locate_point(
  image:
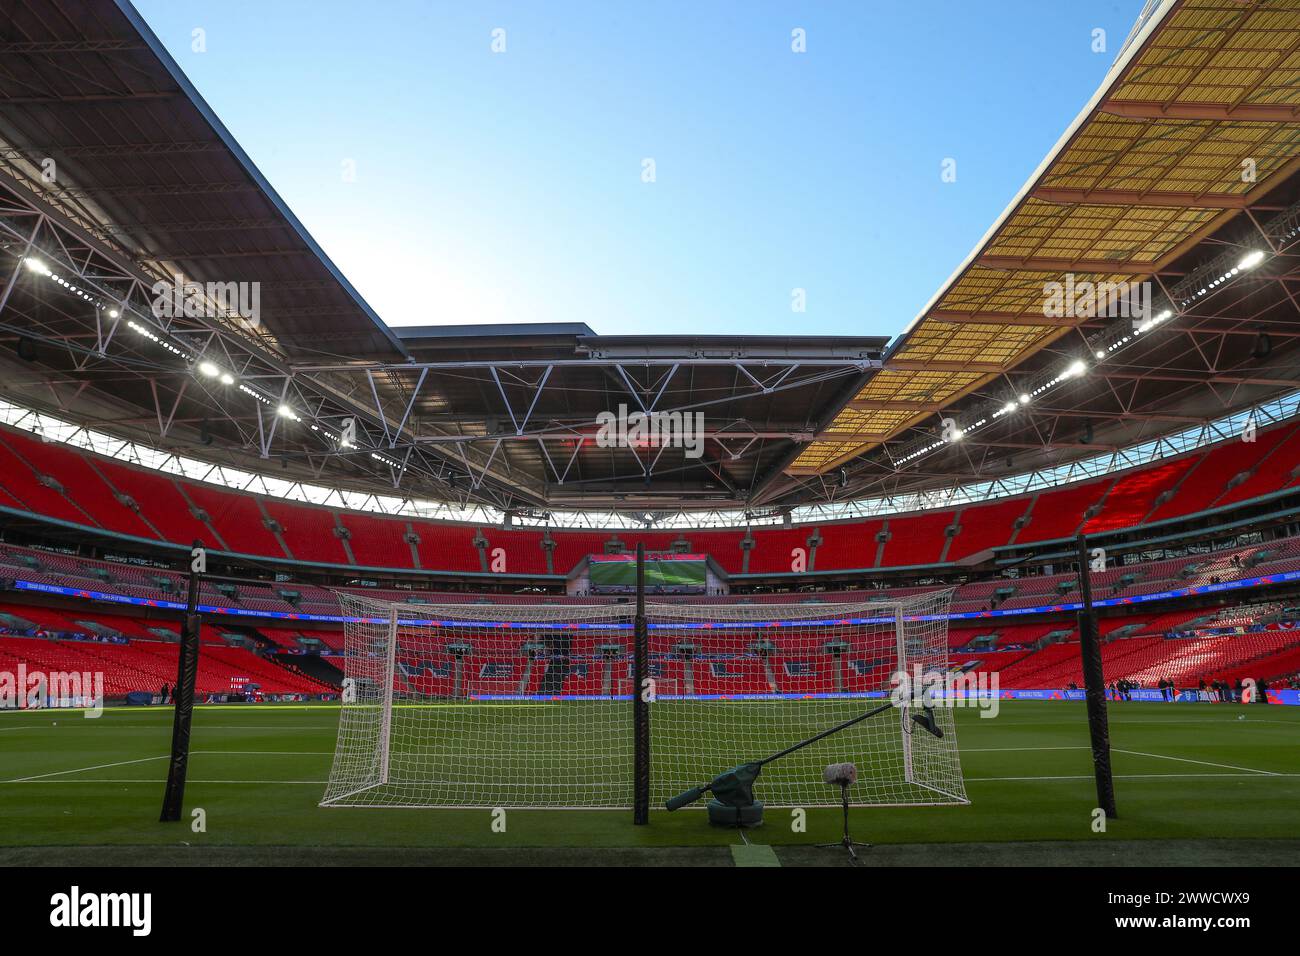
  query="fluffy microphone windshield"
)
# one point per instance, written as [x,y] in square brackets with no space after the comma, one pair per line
[840,774]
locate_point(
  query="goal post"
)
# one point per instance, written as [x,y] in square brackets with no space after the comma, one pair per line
[534,705]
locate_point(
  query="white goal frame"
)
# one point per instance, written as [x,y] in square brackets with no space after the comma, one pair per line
[417,729]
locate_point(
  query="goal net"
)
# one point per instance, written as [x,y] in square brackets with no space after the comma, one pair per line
[762,677]
[470,705]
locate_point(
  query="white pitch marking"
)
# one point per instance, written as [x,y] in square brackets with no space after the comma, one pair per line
[154,783]
[1204,763]
[1131,776]
[102,766]
[193,753]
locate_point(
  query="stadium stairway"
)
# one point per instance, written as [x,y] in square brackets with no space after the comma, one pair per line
[312,666]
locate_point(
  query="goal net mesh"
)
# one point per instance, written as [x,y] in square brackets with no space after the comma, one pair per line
[529,705]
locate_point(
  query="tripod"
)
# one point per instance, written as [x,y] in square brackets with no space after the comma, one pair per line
[847,841]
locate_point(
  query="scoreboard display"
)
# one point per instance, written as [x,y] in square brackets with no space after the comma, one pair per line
[665,573]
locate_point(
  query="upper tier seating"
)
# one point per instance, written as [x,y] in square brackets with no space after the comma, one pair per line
[308,532]
[1061,512]
[378,542]
[1133,496]
[237,518]
[981,527]
[180,511]
[916,539]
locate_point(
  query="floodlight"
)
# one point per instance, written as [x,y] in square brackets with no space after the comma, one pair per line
[1251,259]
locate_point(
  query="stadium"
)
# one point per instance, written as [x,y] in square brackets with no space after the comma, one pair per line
[338,592]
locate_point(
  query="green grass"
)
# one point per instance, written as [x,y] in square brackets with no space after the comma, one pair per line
[1189,775]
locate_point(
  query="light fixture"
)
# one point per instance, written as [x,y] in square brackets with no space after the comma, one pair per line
[1251,259]
[227,378]
[1024,398]
[1075,369]
[208,369]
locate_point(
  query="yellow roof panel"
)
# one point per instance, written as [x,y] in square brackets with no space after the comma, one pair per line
[1158,164]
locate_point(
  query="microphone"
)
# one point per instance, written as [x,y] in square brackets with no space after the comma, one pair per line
[840,774]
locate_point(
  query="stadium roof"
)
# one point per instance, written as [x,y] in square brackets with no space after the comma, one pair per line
[1147,184]
[1151,169]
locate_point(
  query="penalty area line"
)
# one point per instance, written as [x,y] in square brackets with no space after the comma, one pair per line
[193,753]
[102,766]
[159,783]
[1137,776]
[1203,763]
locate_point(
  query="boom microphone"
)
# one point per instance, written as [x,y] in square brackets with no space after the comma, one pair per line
[926,719]
[841,774]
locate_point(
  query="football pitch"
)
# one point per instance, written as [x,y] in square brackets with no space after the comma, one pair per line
[1195,784]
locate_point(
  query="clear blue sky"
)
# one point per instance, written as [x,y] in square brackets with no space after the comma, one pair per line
[508,187]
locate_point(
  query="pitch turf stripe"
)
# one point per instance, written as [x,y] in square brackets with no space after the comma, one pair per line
[320,783]
[1204,763]
[265,753]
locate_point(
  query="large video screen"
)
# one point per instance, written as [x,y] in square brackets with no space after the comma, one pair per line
[664,574]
